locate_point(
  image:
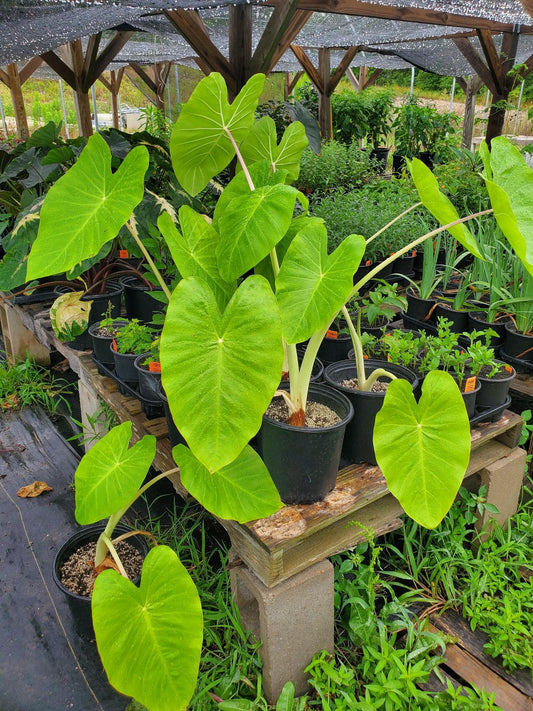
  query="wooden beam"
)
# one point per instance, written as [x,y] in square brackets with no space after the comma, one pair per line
[203,65]
[290,84]
[81,98]
[4,77]
[475,61]
[462,83]
[28,69]
[147,79]
[325,119]
[277,36]
[371,79]
[493,60]
[15,87]
[60,67]
[240,44]
[528,6]
[189,24]
[308,67]
[526,69]
[471,87]
[508,51]
[161,71]
[405,14]
[341,69]
[106,83]
[106,56]
[354,81]
[91,53]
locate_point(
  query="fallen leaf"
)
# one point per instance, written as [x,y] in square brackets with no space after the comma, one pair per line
[11,402]
[35,489]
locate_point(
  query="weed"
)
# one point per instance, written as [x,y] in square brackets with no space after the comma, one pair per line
[26,384]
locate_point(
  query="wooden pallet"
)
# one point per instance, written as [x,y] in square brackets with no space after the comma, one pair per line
[467,664]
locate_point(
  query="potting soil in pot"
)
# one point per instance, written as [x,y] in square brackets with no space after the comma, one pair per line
[316,414]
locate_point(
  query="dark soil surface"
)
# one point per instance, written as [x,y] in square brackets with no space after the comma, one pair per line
[378,387]
[316,414]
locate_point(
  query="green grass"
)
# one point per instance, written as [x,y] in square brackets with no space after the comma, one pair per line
[27,384]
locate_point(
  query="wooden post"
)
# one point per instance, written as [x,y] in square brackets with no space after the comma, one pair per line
[325,119]
[240,44]
[81,98]
[15,87]
[471,87]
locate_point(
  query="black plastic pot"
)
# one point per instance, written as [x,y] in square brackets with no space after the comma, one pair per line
[80,605]
[404,266]
[470,399]
[334,349]
[518,345]
[379,156]
[418,308]
[303,462]
[398,164]
[174,434]
[358,440]
[459,319]
[101,344]
[139,304]
[427,157]
[125,365]
[494,391]
[362,271]
[149,381]
[477,322]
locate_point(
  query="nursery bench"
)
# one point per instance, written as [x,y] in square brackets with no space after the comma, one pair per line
[280,574]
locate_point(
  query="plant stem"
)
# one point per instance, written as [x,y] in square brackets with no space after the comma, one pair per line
[389,224]
[132,230]
[240,159]
[109,544]
[358,350]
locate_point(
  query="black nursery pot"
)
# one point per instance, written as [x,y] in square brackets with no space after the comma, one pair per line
[418,308]
[358,440]
[125,366]
[476,322]
[494,391]
[379,156]
[459,319]
[149,381]
[303,462]
[334,349]
[101,344]
[470,399]
[80,605]
[139,304]
[518,345]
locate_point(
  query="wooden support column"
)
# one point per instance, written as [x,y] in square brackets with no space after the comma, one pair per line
[470,86]
[155,79]
[240,44]
[14,79]
[324,82]
[81,71]
[290,82]
[113,87]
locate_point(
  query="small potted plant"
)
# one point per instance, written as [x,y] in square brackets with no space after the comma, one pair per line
[131,341]
[378,110]
[102,334]
[136,626]
[495,377]
[378,308]
[148,366]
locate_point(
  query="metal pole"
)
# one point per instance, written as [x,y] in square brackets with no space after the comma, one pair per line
[452,96]
[119,103]
[518,108]
[3,117]
[169,102]
[412,81]
[177,80]
[64,109]
[93,92]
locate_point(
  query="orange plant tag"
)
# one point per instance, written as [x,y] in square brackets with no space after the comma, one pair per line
[368,263]
[508,368]
[470,384]
[114,343]
[124,254]
[331,334]
[154,367]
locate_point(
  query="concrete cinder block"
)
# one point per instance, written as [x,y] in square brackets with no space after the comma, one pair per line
[294,620]
[503,480]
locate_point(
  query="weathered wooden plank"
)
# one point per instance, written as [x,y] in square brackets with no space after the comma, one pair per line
[451,623]
[472,671]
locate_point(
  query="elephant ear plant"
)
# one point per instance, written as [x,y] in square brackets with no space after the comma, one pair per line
[256,280]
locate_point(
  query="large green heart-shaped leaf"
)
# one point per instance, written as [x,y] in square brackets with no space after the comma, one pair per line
[200,146]
[220,370]
[262,143]
[238,187]
[150,638]
[423,449]
[109,474]
[438,204]
[509,182]
[241,491]
[251,226]
[311,286]
[86,208]
[193,250]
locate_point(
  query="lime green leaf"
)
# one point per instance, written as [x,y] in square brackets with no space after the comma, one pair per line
[238,187]
[86,208]
[439,205]
[150,638]
[109,474]
[69,315]
[220,370]
[242,490]
[511,196]
[251,226]
[311,286]
[193,251]
[423,449]
[262,143]
[200,146]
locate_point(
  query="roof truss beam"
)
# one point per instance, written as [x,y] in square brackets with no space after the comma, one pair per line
[282,28]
